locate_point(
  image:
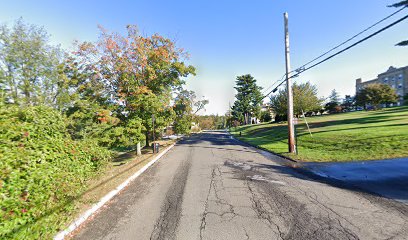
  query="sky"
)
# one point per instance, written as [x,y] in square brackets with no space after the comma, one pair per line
[229,38]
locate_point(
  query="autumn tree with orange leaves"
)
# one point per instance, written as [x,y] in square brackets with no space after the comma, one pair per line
[133,76]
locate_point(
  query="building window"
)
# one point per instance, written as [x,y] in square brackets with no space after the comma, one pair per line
[385,79]
[400,76]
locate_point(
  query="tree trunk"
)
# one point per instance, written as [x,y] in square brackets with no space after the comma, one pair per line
[147,138]
[138,149]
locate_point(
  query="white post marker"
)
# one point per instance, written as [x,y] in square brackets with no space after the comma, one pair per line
[304,117]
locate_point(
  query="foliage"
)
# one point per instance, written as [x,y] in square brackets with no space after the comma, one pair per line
[182,125]
[406,99]
[87,120]
[403,3]
[41,170]
[304,99]
[265,116]
[376,94]
[248,99]
[207,122]
[132,75]
[185,107]
[348,102]
[334,102]
[60,113]
[29,66]
[212,122]
[402,43]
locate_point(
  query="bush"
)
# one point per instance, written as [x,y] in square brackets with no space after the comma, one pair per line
[281,118]
[41,170]
[266,116]
[182,125]
[87,120]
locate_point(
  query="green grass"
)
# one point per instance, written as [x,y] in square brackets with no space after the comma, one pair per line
[350,136]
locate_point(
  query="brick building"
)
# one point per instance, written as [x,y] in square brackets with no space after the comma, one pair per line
[396,78]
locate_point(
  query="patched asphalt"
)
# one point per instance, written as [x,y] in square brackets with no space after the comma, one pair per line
[210,186]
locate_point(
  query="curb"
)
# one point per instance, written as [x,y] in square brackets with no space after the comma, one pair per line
[76,223]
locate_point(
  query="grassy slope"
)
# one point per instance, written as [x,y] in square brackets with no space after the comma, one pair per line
[338,137]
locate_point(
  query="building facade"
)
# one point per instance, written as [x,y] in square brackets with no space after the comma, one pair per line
[396,78]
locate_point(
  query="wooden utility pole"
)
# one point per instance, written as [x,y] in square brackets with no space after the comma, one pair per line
[291,128]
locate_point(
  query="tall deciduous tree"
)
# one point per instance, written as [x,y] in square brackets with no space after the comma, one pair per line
[133,75]
[376,94]
[185,107]
[248,99]
[29,73]
[304,99]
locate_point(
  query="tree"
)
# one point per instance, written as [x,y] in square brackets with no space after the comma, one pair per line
[334,102]
[248,99]
[29,73]
[213,121]
[266,116]
[376,94]
[207,122]
[401,4]
[348,102]
[304,99]
[133,76]
[185,107]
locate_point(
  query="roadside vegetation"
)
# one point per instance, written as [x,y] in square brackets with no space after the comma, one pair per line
[360,135]
[65,115]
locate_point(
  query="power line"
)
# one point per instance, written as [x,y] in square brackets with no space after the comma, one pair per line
[277,81]
[348,40]
[351,46]
[341,51]
[273,90]
[302,69]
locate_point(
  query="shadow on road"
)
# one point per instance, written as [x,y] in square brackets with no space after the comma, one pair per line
[387,178]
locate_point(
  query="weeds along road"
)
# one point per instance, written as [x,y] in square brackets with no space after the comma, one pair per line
[211,187]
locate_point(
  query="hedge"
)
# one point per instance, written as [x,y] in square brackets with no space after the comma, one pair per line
[42,170]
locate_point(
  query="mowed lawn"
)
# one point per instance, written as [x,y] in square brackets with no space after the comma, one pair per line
[362,135]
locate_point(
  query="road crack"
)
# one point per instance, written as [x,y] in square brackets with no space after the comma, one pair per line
[167,223]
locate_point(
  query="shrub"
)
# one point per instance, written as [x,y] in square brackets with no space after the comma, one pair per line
[41,170]
[281,118]
[266,116]
[87,120]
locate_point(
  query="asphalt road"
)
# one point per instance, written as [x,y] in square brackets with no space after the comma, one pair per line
[385,177]
[211,187]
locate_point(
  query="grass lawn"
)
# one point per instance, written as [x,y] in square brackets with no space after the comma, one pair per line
[339,137]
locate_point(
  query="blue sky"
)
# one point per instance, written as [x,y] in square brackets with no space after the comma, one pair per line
[230,38]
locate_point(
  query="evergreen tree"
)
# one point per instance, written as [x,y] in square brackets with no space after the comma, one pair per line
[334,101]
[248,99]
